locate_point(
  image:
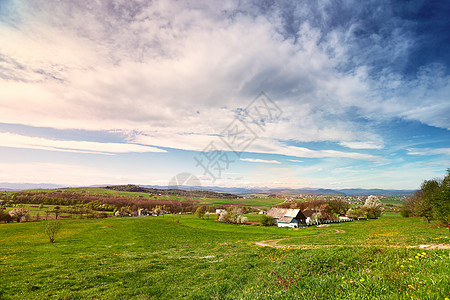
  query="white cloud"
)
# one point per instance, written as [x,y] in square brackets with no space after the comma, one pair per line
[257,160]
[28,142]
[361,145]
[428,151]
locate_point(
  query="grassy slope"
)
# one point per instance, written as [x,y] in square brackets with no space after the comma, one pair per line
[155,257]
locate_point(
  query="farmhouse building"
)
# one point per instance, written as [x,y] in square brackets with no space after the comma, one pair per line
[308,215]
[286,217]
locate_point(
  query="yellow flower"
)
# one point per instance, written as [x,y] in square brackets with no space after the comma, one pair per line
[397,263]
[410,266]
[411,286]
[426,254]
[410,258]
[362,280]
[402,266]
[343,277]
[351,281]
[417,257]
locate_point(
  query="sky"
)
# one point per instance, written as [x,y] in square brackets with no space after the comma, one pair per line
[280,94]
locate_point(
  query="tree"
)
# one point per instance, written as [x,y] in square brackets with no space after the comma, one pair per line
[57,211]
[235,214]
[440,199]
[354,213]
[317,216]
[338,206]
[4,216]
[223,217]
[408,207]
[422,208]
[157,210]
[19,213]
[200,211]
[372,208]
[432,201]
[51,229]
[267,220]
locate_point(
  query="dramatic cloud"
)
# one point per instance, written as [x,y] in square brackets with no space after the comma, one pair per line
[175,74]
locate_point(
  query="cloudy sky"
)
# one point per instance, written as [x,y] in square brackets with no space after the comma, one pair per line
[354,93]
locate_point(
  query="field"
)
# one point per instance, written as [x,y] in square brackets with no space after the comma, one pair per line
[181,256]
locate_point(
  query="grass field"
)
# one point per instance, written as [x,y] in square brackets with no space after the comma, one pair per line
[185,257]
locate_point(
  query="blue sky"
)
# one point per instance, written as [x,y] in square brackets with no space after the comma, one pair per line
[355,93]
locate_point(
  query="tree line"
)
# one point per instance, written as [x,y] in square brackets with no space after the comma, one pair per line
[431,202]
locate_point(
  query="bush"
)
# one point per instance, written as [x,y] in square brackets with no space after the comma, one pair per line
[200,212]
[5,217]
[267,220]
[405,212]
[51,229]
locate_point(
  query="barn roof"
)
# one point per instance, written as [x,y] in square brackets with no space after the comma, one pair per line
[309,212]
[286,219]
[278,213]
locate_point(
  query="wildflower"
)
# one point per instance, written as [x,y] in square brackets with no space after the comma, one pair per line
[426,254]
[397,263]
[362,280]
[410,258]
[411,286]
[417,257]
[351,281]
[402,266]
[343,277]
[410,266]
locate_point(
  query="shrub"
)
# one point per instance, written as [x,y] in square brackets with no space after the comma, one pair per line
[200,212]
[5,217]
[267,220]
[51,229]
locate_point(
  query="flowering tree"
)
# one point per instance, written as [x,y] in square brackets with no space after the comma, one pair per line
[372,207]
[19,213]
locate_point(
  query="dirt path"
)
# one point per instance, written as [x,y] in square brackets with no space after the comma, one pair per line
[274,243]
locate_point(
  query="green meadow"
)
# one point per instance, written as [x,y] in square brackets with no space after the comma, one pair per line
[181,256]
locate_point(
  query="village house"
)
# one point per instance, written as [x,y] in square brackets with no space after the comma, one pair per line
[308,215]
[286,217]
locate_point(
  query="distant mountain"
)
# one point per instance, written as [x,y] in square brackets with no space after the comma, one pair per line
[376,192]
[6,186]
[346,192]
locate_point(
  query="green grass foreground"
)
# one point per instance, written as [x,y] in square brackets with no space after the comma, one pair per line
[185,257]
